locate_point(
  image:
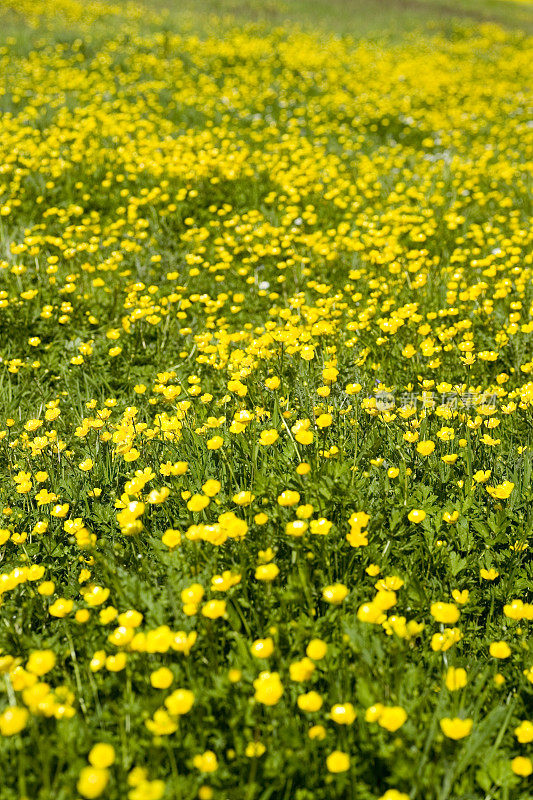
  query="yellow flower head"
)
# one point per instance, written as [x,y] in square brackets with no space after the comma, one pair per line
[338,762]
[456,728]
[92,782]
[268,688]
[102,755]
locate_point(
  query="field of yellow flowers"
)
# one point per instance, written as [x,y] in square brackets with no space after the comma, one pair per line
[266,410]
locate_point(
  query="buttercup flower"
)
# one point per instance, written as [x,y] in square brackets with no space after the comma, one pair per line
[92,782]
[268,688]
[338,762]
[456,728]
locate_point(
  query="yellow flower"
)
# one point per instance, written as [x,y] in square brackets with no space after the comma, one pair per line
[288,498]
[234,675]
[390,583]
[304,468]
[373,713]
[224,582]
[445,612]
[521,765]
[121,636]
[384,599]
[394,794]
[330,374]
[61,607]
[40,662]
[162,724]
[86,465]
[425,448]
[193,594]
[392,717]
[321,526]
[268,437]
[266,555]
[296,528]
[60,510]
[304,437]
[211,487]
[232,526]
[180,702]
[183,642]
[161,678]
[416,515]
[198,502]
[267,572]
[450,458]
[13,720]
[455,678]
[335,594]
[262,648]
[461,597]
[116,663]
[524,732]
[102,755]
[310,702]
[272,383]
[517,609]
[254,750]
[92,782]
[357,537]
[502,491]
[206,762]
[446,639]
[268,688]
[214,609]
[317,732]
[243,498]
[95,595]
[353,388]
[301,670]
[481,476]
[450,517]
[158,496]
[456,728]
[338,762]
[343,714]
[97,661]
[171,538]
[371,613]
[304,511]
[500,650]
[316,649]
[489,574]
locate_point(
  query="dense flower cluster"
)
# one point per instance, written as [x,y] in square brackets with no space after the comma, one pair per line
[266,397]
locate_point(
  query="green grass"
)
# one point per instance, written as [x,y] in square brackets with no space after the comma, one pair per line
[266,319]
[359,18]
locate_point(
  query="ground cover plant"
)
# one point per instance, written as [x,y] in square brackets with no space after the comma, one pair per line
[266,316]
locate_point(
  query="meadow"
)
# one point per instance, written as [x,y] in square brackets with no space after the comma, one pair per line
[266,400]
